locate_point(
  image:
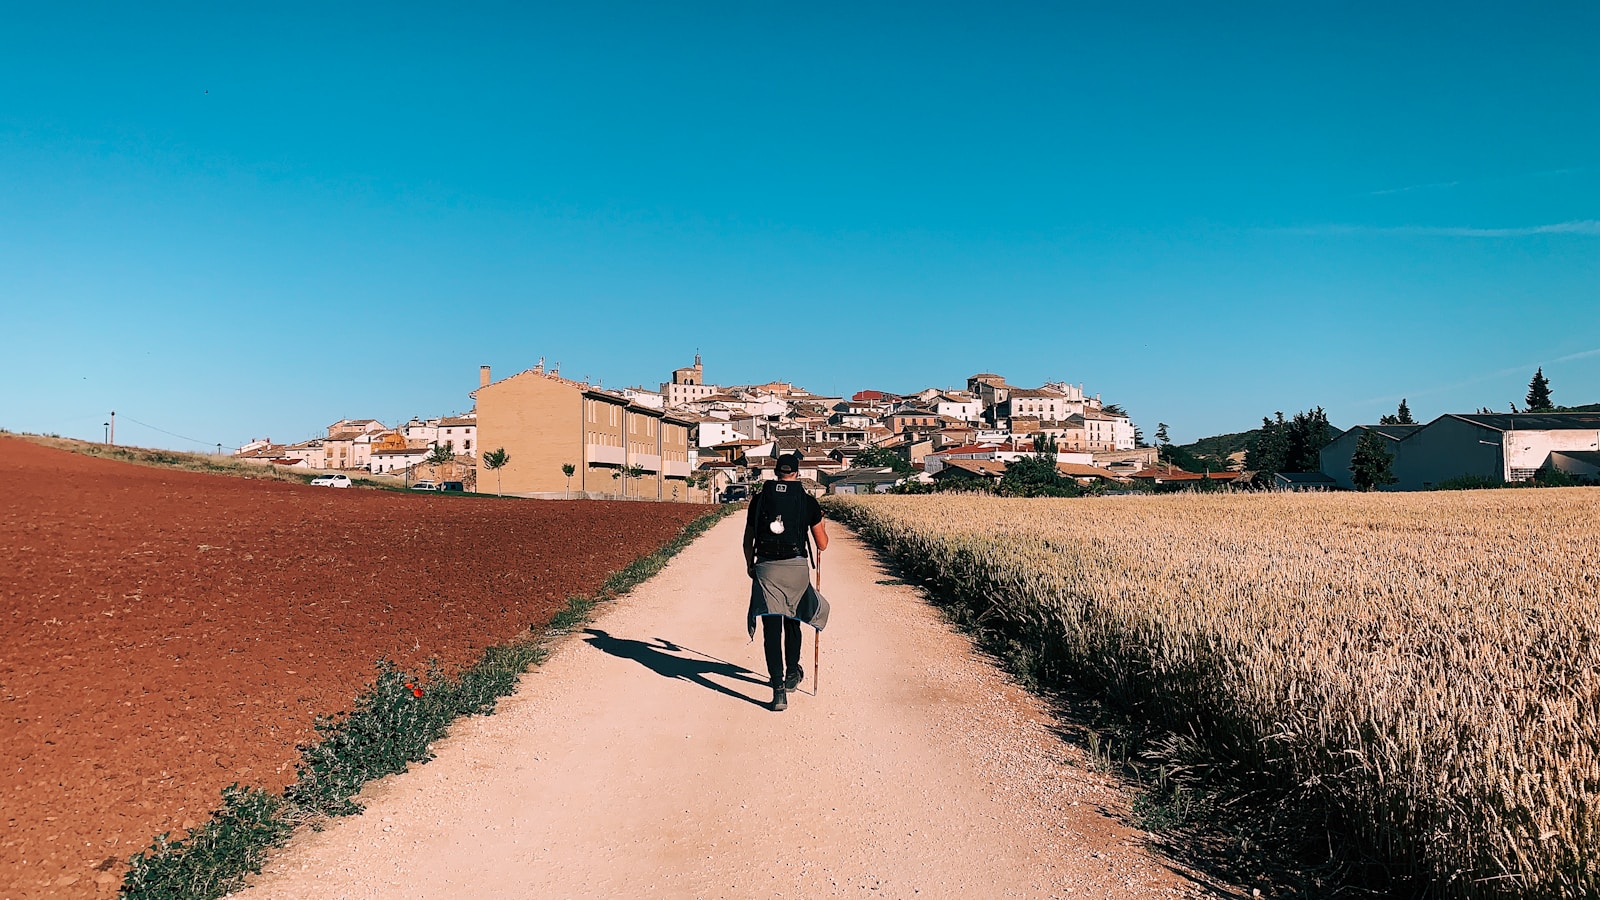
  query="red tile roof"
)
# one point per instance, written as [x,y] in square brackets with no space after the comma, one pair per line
[977,466]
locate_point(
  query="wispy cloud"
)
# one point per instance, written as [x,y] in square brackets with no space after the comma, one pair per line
[1582,354]
[1414,187]
[1442,185]
[1522,369]
[1582,227]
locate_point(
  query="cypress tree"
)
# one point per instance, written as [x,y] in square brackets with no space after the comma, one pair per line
[1538,398]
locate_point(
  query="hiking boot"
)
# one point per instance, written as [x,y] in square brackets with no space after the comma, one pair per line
[796,675]
[780,699]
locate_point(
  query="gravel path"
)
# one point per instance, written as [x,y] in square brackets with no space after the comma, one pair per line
[641,760]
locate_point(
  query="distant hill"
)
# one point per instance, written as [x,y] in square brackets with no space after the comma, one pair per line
[1221,446]
[1214,452]
[1592,407]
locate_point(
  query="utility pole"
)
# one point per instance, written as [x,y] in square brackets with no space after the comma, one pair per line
[111,433]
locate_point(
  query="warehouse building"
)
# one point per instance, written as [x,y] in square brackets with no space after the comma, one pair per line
[1503,448]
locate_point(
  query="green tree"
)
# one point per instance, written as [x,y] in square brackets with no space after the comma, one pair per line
[1372,465]
[1164,446]
[1267,452]
[1538,399]
[1289,445]
[1402,416]
[700,480]
[440,455]
[627,474]
[494,461]
[568,469]
[882,458]
[1036,475]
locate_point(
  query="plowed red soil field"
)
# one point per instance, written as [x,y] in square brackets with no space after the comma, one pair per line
[166,633]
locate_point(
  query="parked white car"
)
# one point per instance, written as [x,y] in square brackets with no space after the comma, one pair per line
[331,481]
[424,486]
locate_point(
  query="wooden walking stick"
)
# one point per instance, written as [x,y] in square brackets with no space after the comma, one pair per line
[816,642]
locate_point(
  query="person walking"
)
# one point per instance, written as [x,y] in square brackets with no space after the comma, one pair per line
[782,526]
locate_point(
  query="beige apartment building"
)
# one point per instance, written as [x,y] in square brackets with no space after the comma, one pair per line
[544,421]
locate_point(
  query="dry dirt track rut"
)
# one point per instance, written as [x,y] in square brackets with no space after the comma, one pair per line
[641,760]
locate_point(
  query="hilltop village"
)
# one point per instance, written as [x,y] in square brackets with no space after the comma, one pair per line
[694,440]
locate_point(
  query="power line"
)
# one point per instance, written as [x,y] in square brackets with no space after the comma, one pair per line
[173,433]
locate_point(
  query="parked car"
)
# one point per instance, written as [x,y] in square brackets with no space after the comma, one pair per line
[424,486]
[735,492]
[331,481]
[453,486]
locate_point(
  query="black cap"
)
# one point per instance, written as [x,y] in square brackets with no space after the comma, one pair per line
[788,464]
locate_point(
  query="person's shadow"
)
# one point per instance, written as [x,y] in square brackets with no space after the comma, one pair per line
[662,658]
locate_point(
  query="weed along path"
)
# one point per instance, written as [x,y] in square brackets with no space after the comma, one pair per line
[641,760]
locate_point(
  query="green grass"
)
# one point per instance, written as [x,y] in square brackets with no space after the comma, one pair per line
[191,462]
[214,858]
[394,724]
[212,464]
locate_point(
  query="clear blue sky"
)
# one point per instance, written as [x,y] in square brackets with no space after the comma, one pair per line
[232,224]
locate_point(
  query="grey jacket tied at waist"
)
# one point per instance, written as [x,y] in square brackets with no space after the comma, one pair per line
[782,587]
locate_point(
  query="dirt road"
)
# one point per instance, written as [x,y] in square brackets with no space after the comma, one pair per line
[641,760]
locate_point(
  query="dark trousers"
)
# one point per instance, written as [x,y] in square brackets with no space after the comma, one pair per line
[781,635]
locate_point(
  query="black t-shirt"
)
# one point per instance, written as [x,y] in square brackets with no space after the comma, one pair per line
[788,502]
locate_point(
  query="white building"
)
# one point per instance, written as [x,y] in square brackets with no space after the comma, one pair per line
[755,428]
[1103,431]
[716,431]
[387,462]
[457,433]
[1074,393]
[639,395]
[958,405]
[420,431]
[1045,403]
[310,453]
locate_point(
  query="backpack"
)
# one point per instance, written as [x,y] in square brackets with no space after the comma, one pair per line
[781,529]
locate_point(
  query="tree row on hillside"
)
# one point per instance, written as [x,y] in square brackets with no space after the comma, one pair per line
[1290,445]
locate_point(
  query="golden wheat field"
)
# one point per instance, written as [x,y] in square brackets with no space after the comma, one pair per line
[1428,663]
